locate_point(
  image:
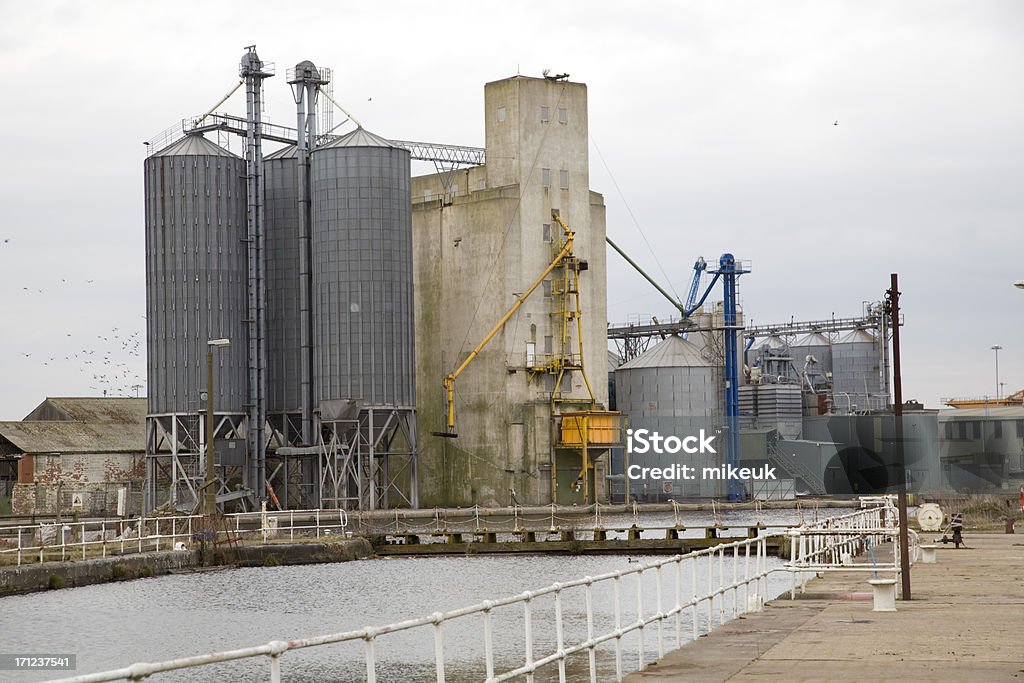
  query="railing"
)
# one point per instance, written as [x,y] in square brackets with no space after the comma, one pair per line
[100,538]
[732,570]
[834,543]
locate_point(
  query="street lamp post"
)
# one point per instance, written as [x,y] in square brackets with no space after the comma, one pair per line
[996,348]
[210,495]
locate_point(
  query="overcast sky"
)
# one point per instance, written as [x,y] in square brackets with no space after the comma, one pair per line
[714,122]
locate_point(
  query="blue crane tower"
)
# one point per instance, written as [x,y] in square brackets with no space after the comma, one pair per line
[728,271]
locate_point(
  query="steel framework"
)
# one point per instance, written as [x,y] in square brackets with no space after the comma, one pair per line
[369,457]
[176,460]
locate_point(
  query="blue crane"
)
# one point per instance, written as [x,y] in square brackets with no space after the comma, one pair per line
[699,266]
[728,270]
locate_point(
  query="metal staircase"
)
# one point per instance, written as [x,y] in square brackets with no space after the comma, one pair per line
[793,468]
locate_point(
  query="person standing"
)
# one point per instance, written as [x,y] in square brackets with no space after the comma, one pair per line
[956,523]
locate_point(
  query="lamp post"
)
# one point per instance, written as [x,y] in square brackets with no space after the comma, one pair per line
[996,348]
[210,495]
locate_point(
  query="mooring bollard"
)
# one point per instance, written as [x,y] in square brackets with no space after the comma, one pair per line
[928,555]
[885,594]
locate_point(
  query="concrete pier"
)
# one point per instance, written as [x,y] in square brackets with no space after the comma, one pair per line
[964,624]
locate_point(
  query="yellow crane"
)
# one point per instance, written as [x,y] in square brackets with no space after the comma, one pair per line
[449,380]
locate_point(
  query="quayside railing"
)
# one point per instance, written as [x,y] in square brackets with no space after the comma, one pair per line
[72,540]
[699,589]
[692,593]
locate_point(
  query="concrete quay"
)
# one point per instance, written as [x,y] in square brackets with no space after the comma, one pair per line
[965,623]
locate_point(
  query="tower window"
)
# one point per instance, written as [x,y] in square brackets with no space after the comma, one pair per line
[545,177]
[563,179]
[563,115]
[501,114]
[545,113]
[546,231]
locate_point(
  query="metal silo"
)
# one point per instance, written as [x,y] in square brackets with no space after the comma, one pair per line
[775,360]
[362,311]
[195,275]
[362,272]
[856,373]
[674,390]
[281,229]
[818,347]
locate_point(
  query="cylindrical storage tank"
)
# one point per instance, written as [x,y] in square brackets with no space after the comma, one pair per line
[670,380]
[857,372]
[195,276]
[362,272]
[674,390]
[281,235]
[817,345]
[775,360]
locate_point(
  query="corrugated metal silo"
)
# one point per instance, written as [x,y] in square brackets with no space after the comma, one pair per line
[817,345]
[672,379]
[856,372]
[362,272]
[195,275]
[674,390]
[281,230]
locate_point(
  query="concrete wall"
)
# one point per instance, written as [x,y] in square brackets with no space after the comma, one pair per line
[473,254]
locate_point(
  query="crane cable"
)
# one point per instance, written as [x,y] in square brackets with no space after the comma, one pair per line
[629,209]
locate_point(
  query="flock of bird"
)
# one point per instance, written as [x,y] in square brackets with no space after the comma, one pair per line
[111,363]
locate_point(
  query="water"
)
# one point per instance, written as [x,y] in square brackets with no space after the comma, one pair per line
[114,625]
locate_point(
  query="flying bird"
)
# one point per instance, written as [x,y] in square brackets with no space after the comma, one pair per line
[836,123]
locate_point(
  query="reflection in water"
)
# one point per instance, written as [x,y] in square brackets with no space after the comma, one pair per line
[114,625]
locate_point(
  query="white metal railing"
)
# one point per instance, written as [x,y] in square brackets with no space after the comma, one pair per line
[834,544]
[732,570]
[104,537]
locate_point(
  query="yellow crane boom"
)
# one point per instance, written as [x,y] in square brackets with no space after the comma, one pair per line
[449,380]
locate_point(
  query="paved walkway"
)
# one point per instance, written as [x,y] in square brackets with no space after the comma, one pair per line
[965,623]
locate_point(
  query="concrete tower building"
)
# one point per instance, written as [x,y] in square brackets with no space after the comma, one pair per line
[481,236]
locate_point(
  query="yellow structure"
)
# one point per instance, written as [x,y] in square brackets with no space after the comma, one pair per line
[1012,400]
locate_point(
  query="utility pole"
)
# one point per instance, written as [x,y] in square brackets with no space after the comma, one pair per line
[892,305]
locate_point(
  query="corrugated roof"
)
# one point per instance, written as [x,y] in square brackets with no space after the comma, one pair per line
[286,152]
[858,337]
[360,137]
[813,339]
[47,436]
[81,425]
[773,342]
[114,410]
[195,145]
[673,352]
[613,360]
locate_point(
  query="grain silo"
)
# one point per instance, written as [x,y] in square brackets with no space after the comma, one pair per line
[812,354]
[674,390]
[281,229]
[195,292]
[362,305]
[774,361]
[857,382]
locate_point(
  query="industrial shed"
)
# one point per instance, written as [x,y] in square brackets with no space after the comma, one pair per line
[75,455]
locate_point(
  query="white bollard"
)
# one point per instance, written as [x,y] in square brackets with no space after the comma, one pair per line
[885,594]
[928,554]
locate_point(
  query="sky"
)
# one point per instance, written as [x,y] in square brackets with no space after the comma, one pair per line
[712,124]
